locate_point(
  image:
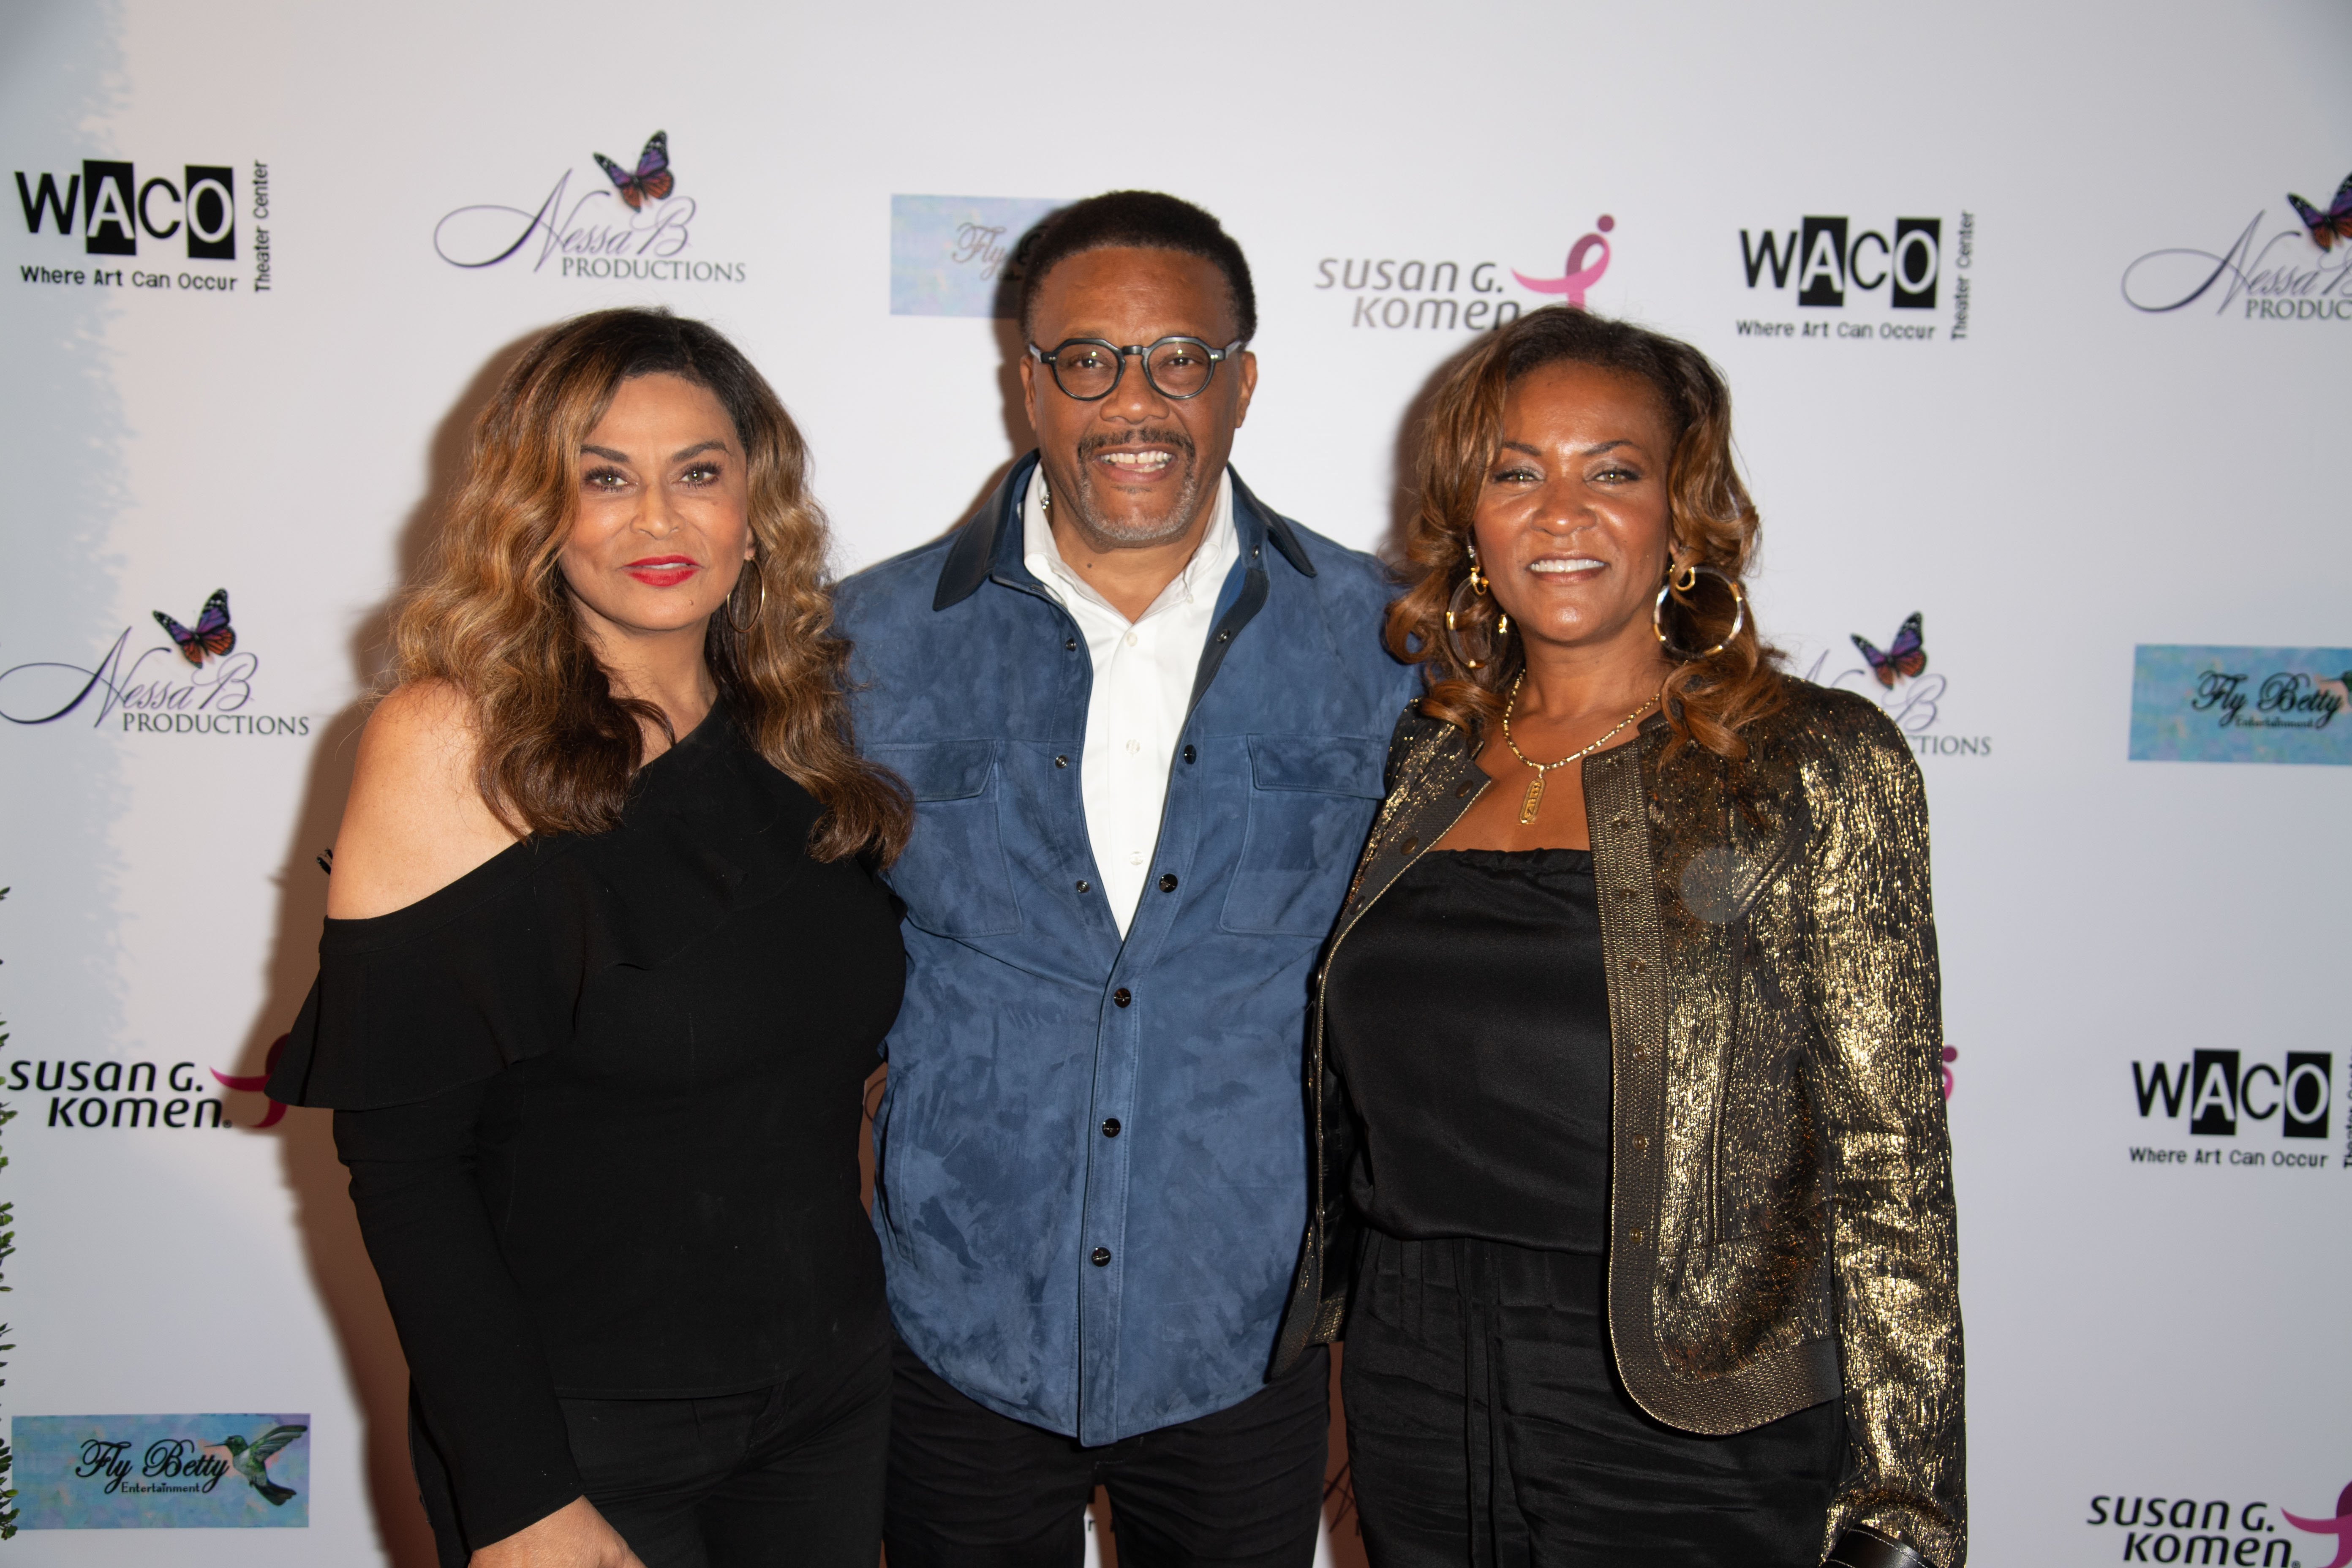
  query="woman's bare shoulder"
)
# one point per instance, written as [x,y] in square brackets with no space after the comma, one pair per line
[415,820]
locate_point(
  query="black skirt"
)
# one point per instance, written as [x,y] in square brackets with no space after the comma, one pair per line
[1487,1425]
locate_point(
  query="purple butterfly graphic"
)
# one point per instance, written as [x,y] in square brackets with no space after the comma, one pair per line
[1906,658]
[213,638]
[2334,223]
[653,180]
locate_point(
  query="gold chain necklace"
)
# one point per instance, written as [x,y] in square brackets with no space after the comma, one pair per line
[1533,801]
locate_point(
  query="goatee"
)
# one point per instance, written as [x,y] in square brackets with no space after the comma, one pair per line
[1086,515]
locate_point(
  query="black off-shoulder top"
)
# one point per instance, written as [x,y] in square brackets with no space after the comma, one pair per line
[600,1102]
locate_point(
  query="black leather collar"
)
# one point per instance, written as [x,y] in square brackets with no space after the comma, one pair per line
[990,543]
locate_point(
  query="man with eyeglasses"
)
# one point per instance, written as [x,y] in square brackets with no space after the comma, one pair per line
[1145,719]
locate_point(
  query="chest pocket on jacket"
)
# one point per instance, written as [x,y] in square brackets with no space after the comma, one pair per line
[1311,802]
[954,874]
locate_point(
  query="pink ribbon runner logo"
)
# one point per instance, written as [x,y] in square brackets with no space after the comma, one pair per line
[258,1083]
[1580,275]
[2339,1527]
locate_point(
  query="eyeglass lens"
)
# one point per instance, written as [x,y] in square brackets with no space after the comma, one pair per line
[1176,367]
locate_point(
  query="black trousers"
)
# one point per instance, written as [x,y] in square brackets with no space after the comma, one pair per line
[1239,1488]
[787,1476]
[1486,1426]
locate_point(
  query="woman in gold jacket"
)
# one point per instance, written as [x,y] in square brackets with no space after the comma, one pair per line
[1634,1190]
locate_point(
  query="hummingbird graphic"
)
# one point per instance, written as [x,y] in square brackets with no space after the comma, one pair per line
[251,1460]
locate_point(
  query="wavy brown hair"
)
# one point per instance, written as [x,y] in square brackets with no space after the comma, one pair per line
[493,617]
[1708,701]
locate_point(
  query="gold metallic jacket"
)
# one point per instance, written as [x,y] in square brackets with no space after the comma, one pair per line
[1781,1193]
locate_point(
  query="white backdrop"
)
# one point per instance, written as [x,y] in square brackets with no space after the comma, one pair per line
[2060,474]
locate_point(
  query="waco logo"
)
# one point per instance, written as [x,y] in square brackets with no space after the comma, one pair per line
[1826,258]
[2216,1092]
[112,206]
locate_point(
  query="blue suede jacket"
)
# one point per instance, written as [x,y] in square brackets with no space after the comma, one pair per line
[1092,1154]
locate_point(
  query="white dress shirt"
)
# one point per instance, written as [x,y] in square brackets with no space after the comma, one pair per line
[1143,680]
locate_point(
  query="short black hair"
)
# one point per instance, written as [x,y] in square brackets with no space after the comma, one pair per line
[1147,219]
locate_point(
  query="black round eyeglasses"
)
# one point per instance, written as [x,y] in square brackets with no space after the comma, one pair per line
[1088,369]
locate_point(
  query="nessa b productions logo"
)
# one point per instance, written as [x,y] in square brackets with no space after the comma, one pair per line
[1885,283]
[2274,271]
[187,214]
[199,682]
[163,1472]
[2201,1529]
[2233,1095]
[1897,679]
[621,222]
[1385,294]
[2195,703]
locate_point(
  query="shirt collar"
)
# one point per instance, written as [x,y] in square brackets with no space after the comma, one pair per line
[1202,578]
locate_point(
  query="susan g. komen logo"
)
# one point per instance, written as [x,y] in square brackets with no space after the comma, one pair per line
[624,221]
[2276,271]
[198,683]
[1417,294]
[2340,1526]
[1587,259]
[1897,679]
[2201,1529]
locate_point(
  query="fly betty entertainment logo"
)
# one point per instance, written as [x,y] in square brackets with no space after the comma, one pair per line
[597,220]
[1856,280]
[113,224]
[2200,703]
[164,1472]
[198,682]
[2297,267]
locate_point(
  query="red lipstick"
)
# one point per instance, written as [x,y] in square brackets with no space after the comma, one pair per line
[662,571]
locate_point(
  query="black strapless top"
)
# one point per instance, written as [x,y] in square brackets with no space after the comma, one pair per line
[1468,1013]
[600,1102]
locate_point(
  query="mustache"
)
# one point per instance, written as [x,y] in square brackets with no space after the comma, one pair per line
[1173,437]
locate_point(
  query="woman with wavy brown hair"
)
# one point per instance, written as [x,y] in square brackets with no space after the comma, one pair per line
[1630,1133]
[605,964]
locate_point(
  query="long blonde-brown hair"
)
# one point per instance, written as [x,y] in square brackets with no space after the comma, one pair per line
[493,617]
[1708,700]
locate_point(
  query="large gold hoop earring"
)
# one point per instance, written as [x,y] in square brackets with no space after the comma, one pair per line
[738,627]
[1456,613]
[1683,582]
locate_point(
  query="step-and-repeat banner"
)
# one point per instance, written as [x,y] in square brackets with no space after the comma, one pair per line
[2038,319]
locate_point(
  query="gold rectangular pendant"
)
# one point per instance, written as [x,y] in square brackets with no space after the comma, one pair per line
[1535,799]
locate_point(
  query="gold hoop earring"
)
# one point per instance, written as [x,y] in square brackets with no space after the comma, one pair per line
[1683,582]
[1456,613]
[738,627]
